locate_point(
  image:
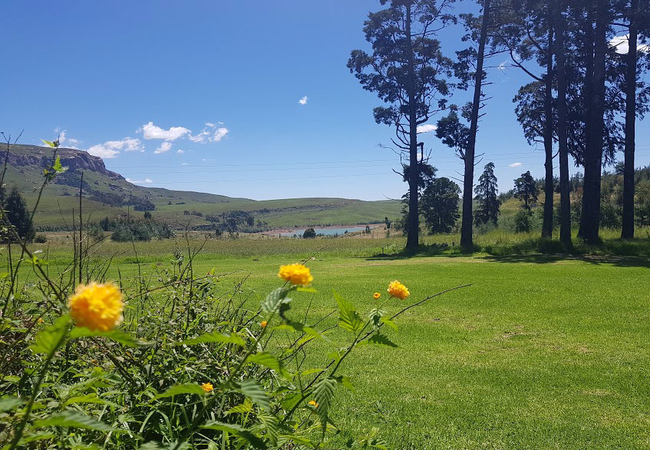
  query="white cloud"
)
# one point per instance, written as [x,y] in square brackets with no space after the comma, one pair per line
[185,164]
[145,181]
[303,101]
[219,134]
[516,164]
[426,128]
[210,134]
[180,152]
[622,45]
[110,149]
[164,147]
[66,141]
[151,131]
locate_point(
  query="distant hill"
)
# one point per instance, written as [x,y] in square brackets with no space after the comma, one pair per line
[108,193]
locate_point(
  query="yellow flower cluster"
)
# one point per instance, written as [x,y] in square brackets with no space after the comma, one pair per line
[297,274]
[207,387]
[397,289]
[313,403]
[264,323]
[376,295]
[97,306]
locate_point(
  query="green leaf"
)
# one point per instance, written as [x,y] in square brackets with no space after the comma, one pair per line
[215,336]
[345,381]
[89,398]
[380,339]
[389,322]
[116,335]
[73,419]
[348,317]
[178,389]
[268,360]
[49,143]
[58,168]
[244,408]
[275,299]
[238,431]
[47,339]
[251,389]
[324,393]
[9,403]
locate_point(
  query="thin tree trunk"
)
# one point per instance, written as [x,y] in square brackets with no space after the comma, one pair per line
[591,196]
[466,240]
[565,206]
[413,227]
[630,106]
[547,225]
[588,142]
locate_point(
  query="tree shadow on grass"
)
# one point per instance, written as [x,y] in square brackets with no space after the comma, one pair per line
[423,250]
[618,261]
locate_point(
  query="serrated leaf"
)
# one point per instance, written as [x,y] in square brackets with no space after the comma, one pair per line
[268,360]
[215,336]
[389,322]
[324,393]
[348,317]
[238,431]
[345,381]
[275,299]
[74,419]
[116,335]
[48,143]
[251,389]
[9,403]
[244,408]
[179,389]
[47,339]
[380,339]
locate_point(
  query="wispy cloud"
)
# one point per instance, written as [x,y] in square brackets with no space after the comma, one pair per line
[180,152]
[110,149]
[164,147]
[303,101]
[66,141]
[426,128]
[151,131]
[211,133]
[515,164]
[145,181]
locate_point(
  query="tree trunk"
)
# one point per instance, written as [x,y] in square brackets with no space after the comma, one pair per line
[630,105]
[588,104]
[466,241]
[565,206]
[413,228]
[591,196]
[547,225]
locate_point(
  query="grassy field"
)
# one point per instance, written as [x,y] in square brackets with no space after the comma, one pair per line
[539,352]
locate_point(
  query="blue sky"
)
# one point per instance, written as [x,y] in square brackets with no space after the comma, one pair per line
[246,99]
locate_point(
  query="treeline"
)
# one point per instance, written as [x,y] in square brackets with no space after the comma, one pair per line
[131,229]
[585,61]
[230,222]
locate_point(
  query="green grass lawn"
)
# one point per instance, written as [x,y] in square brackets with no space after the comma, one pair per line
[539,352]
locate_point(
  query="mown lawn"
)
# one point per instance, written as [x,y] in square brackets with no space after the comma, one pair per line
[539,352]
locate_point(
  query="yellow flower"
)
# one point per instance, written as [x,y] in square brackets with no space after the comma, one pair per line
[313,403]
[264,323]
[297,274]
[207,387]
[40,321]
[397,289]
[376,295]
[97,306]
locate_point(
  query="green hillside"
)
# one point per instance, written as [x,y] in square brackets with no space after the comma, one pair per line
[107,193]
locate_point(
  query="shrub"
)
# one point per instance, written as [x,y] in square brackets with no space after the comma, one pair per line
[40,239]
[309,233]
